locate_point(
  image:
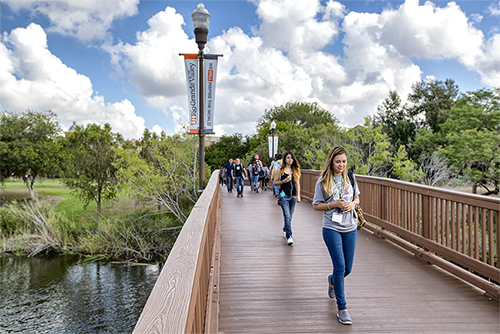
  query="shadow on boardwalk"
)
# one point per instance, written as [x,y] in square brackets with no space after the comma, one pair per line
[269,287]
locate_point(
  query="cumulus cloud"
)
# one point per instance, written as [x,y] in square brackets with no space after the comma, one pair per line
[284,59]
[33,78]
[430,32]
[297,25]
[153,62]
[287,57]
[85,20]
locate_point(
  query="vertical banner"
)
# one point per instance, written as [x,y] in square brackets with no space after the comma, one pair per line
[275,144]
[270,143]
[210,69]
[192,79]
[191,64]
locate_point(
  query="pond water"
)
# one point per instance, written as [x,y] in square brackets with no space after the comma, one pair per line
[61,295]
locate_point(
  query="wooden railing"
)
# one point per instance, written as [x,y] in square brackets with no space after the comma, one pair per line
[456,231]
[185,296]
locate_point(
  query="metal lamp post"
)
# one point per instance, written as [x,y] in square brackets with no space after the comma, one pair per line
[273,128]
[201,22]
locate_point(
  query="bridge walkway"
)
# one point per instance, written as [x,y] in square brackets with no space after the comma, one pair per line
[268,287]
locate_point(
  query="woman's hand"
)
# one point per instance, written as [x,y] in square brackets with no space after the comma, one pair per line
[347,206]
[298,198]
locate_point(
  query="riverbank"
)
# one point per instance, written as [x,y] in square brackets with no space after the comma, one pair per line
[58,223]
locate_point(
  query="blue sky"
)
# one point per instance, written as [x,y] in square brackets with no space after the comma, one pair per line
[117,61]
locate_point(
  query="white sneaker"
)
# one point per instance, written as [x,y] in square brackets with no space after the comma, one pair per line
[284,234]
[290,241]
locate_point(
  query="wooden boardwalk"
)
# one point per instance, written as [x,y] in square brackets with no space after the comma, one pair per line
[269,287]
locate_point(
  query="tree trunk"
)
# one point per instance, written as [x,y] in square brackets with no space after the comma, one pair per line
[99,209]
[474,188]
[30,182]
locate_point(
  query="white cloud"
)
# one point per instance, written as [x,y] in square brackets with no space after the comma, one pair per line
[284,61]
[33,78]
[494,9]
[153,63]
[430,32]
[488,64]
[85,20]
[294,25]
[157,129]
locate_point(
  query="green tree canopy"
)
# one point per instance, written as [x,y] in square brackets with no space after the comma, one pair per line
[29,146]
[89,165]
[396,121]
[233,146]
[163,171]
[305,114]
[433,99]
[472,139]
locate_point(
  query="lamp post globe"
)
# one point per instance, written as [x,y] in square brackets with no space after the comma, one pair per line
[201,22]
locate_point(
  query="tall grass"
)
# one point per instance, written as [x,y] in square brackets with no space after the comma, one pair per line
[34,227]
[37,227]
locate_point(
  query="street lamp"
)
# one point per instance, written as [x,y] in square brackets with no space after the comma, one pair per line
[201,21]
[273,128]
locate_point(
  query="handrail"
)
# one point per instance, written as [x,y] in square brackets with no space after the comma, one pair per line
[457,231]
[178,301]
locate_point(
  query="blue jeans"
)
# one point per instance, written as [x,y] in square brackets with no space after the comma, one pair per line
[239,184]
[254,181]
[276,190]
[341,247]
[287,204]
[229,183]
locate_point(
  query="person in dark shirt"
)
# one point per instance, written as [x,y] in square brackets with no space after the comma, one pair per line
[228,168]
[287,177]
[239,175]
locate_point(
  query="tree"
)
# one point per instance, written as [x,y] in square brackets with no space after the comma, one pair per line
[433,99]
[304,114]
[29,146]
[368,149]
[396,121]
[404,168]
[316,143]
[89,166]
[233,146]
[436,169]
[472,139]
[163,171]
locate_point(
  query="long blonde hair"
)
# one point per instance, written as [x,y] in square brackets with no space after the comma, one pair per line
[295,166]
[327,173]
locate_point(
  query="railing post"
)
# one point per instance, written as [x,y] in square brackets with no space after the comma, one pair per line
[426,228]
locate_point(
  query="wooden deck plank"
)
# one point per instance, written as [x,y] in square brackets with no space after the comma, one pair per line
[269,287]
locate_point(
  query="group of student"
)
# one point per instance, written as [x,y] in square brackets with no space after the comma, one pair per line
[233,174]
[334,195]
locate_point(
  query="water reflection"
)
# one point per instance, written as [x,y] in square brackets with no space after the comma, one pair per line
[62,296]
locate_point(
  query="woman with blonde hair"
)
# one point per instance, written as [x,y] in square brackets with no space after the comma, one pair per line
[337,197]
[287,177]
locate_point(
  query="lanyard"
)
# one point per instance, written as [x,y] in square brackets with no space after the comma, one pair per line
[340,186]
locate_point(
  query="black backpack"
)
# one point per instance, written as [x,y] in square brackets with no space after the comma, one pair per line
[255,170]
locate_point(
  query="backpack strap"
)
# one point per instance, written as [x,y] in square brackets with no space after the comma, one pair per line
[351,179]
